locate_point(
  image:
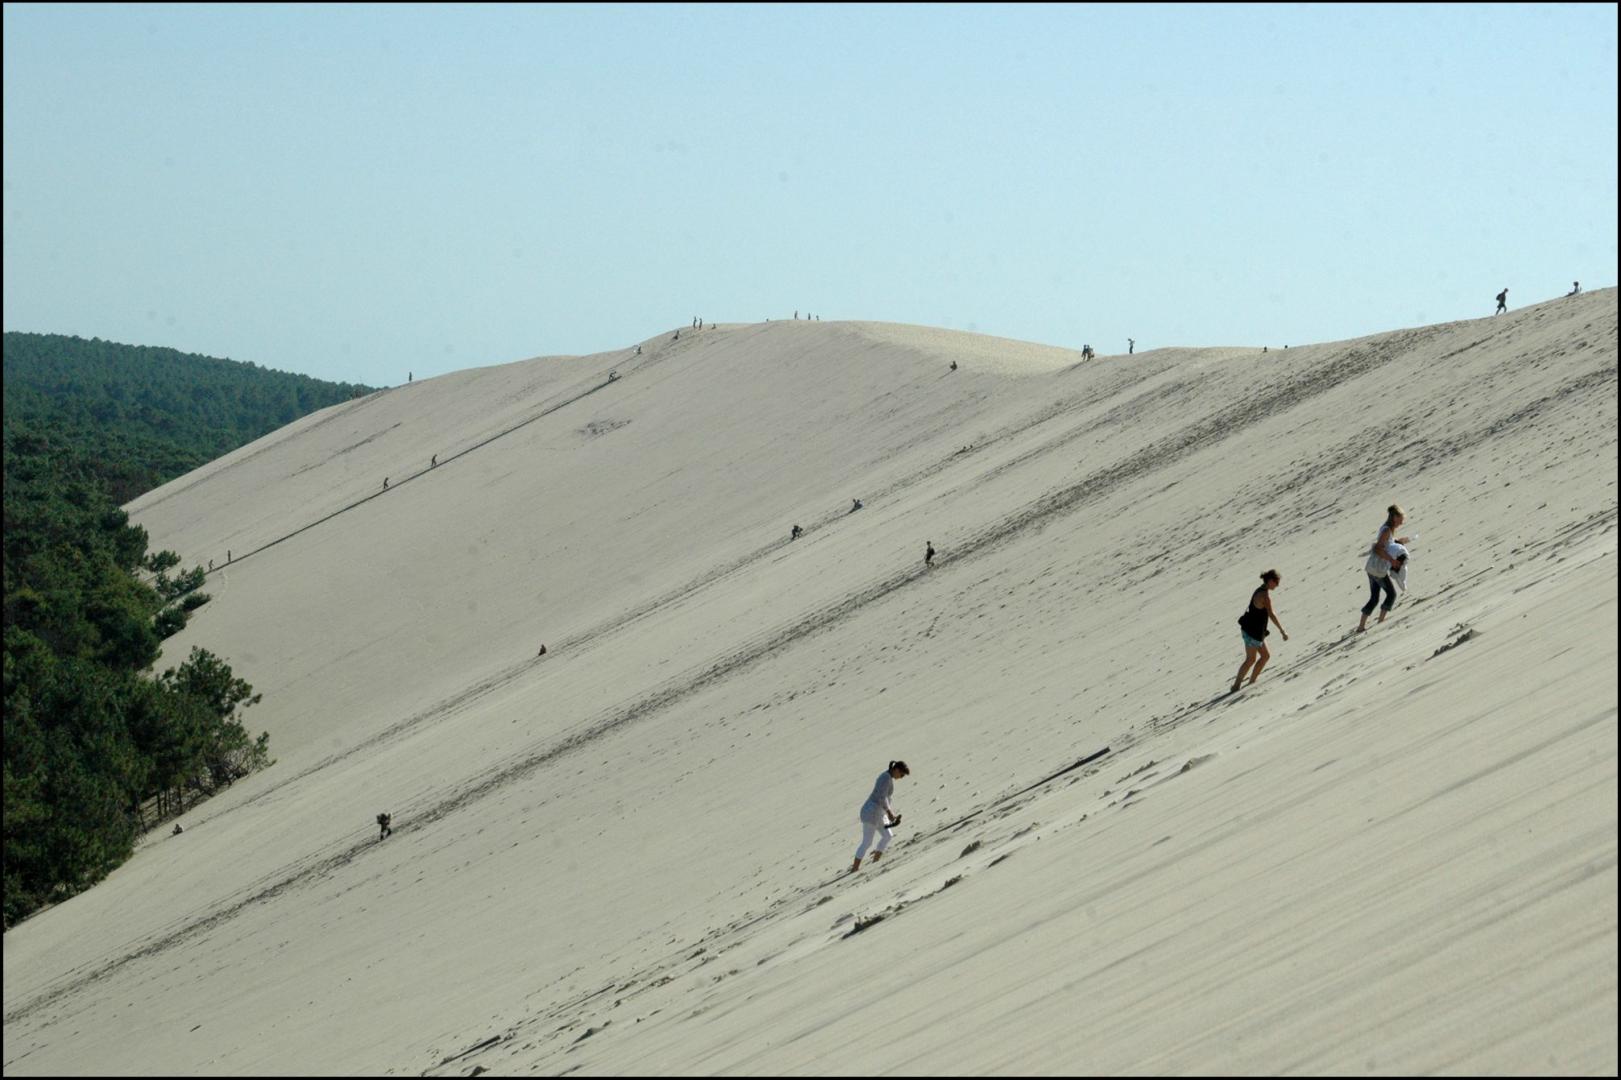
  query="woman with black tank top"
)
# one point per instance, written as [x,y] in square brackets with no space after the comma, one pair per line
[1252,625]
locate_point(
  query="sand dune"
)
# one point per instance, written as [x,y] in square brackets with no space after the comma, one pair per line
[1396,852]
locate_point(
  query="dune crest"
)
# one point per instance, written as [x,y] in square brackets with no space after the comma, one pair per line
[1395,852]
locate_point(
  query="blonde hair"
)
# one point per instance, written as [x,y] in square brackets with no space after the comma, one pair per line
[1393,512]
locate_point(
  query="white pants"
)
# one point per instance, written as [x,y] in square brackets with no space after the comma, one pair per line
[867,831]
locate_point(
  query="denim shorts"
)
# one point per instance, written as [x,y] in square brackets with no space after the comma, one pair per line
[1251,642]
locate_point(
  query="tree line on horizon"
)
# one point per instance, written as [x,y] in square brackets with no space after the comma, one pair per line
[145,414]
[98,747]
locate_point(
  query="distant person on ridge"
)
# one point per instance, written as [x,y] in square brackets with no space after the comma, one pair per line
[794,535]
[1381,560]
[433,462]
[876,815]
[855,504]
[1575,288]
[1131,346]
[638,350]
[954,365]
[541,653]
[928,556]
[1502,302]
[177,829]
[385,825]
[1252,626]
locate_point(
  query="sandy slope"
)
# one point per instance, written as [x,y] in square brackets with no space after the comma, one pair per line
[1389,855]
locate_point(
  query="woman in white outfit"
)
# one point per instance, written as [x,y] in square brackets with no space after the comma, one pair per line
[876,815]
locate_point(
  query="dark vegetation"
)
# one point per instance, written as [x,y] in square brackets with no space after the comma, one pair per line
[143,415]
[97,746]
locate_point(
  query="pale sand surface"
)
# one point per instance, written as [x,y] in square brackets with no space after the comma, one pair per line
[1382,858]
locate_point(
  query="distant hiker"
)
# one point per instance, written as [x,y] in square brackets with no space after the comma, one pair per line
[678,335]
[1131,346]
[638,350]
[795,534]
[541,653]
[928,556]
[385,483]
[433,462]
[177,829]
[211,564]
[876,815]
[410,376]
[1252,626]
[612,375]
[1502,302]
[954,365]
[855,504]
[1575,288]
[385,827]
[227,554]
[1381,560]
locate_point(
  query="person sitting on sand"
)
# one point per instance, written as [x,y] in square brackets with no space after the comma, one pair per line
[1252,626]
[876,815]
[1575,288]
[795,533]
[1381,558]
[855,504]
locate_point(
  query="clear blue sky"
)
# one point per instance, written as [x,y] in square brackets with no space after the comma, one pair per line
[354,192]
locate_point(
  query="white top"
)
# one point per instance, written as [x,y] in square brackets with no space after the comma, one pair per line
[879,799]
[1393,549]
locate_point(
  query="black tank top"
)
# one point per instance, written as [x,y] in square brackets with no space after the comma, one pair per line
[1253,621]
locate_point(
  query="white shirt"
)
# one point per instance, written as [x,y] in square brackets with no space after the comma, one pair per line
[879,799]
